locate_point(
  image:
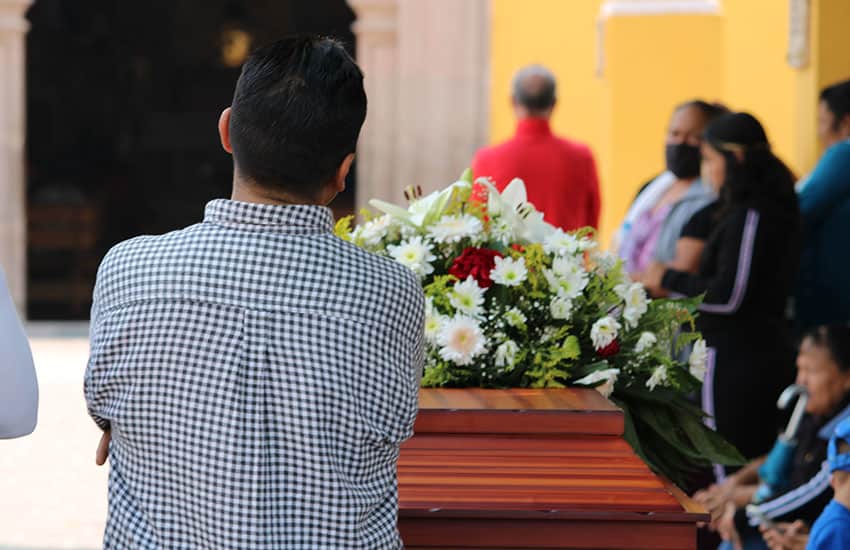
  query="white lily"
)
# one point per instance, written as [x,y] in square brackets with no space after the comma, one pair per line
[424,211]
[512,205]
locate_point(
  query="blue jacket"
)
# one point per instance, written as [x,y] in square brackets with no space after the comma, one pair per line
[823,288]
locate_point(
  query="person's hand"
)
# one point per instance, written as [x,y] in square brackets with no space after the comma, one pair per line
[715,499]
[651,278]
[726,526]
[102,452]
[786,536]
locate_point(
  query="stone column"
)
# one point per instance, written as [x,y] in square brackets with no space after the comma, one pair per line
[427,65]
[13,236]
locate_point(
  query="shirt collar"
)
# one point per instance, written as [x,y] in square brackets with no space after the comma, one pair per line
[296,219]
[533,126]
[843,412]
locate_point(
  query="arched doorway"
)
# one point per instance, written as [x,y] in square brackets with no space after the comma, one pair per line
[122,103]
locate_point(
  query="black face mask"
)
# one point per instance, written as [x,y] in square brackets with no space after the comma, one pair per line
[683,160]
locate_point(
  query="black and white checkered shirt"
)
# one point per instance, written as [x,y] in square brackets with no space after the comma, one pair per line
[259,375]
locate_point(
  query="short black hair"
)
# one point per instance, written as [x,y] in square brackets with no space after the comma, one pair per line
[837,100]
[296,114]
[835,338]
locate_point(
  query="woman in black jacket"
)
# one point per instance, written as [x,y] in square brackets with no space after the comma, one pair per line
[746,272]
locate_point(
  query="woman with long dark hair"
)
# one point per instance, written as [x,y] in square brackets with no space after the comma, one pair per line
[745,273]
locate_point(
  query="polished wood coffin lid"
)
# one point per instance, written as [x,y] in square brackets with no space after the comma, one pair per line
[528,455]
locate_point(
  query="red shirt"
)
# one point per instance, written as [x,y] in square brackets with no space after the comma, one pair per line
[559,174]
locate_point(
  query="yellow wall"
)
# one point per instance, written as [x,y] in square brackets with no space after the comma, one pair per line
[653,62]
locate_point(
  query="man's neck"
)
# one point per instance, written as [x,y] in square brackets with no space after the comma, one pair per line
[842,496]
[246,191]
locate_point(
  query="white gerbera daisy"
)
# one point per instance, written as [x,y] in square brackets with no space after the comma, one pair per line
[502,231]
[506,353]
[451,229]
[561,308]
[467,297]
[509,272]
[607,376]
[434,321]
[658,378]
[636,303]
[604,261]
[646,341]
[461,340]
[604,331]
[415,254]
[698,360]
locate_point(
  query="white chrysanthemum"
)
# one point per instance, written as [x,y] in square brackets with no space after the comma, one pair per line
[461,340]
[636,303]
[566,277]
[502,231]
[451,229]
[467,297]
[561,243]
[414,254]
[604,331]
[509,272]
[646,341]
[373,232]
[506,353]
[561,308]
[434,321]
[515,318]
[607,376]
[698,359]
[658,378]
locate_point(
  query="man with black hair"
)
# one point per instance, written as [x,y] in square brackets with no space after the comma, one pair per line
[256,375]
[823,295]
[559,174]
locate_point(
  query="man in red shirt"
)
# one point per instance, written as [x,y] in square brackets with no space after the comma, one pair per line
[559,174]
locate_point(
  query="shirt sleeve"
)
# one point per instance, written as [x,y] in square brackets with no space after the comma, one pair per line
[832,535]
[805,502]
[725,289]
[18,383]
[96,368]
[828,185]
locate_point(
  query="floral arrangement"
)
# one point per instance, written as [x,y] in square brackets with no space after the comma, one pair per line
[514,302]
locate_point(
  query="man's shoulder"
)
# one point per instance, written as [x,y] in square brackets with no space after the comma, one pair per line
[497,150]
[574,147]
[144,247]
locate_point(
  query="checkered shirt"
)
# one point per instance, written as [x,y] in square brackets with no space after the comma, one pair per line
[258,375]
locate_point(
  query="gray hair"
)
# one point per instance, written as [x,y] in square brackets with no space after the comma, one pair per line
[534,88]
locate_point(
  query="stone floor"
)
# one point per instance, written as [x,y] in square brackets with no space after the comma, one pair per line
[52,496]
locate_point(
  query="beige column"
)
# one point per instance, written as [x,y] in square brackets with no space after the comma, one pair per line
[377,55]
[13,237]
[426,64]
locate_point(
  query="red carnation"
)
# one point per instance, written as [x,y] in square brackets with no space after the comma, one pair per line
[611,349]
[476,263]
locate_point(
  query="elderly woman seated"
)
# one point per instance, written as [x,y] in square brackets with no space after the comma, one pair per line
[823,369]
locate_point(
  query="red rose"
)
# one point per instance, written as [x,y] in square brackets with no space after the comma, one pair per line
[611,349]
[476,263]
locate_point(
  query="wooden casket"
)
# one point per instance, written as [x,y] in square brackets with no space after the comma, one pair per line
[511,469]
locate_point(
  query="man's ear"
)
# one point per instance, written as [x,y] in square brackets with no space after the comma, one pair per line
[224,130]
[342,173]
[844,127]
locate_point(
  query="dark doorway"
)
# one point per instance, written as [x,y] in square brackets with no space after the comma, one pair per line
[123,101]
